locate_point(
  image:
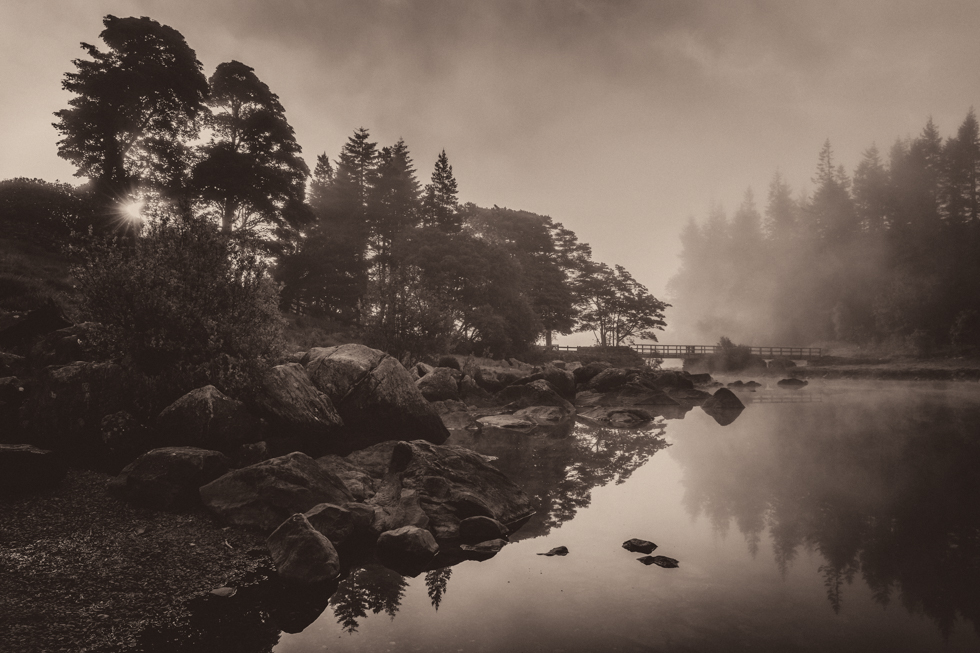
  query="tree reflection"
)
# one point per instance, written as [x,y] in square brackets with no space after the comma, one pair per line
[887,493]
[436,582]
[371,587]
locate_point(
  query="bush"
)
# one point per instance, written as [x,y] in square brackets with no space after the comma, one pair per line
[183,306]
[732,358]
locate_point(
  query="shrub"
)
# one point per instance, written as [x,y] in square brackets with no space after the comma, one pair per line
[183,306]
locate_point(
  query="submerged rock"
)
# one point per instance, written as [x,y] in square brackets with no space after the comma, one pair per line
[541,414]
[482,550]
[660,561]
[302,554]
[619,416]
[512,422]
[791,383]
[639,546]
[481,529]
[557,551]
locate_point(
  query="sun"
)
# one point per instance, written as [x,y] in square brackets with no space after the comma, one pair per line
[132,210]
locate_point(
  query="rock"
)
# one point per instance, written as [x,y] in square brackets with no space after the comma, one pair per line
[619,416]
[397,507]
[589,371]
[12,364]
[25,467]
[263,495]
[291,403]
[449,361]
[736,384]
[780,365]
[482,550]
[541,414]
[698,379]
[169,477]
[753,384]
[66,404]
[336,523]
[670,380]
[251,454]
[563,382]
[791,383]
[610,379]
[511,422]
[207,418]
[78,342]
[639,546]
[421,369]
[439,385]
[302,555]
[660,561]
[630,394]
[406,550]
[535,393]
[364,519]
[27,328]
[723,399]
[557,551]
[375,396]
[449,406]
[360,484]
[495,379]
[480,529]
[689,397]
[472,393]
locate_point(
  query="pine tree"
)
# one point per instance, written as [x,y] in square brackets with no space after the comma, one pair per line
[441,204]
[871,192]
[961,190]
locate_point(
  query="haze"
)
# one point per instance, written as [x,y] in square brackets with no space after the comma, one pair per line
[618,119]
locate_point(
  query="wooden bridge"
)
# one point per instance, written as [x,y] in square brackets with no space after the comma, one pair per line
[695,351]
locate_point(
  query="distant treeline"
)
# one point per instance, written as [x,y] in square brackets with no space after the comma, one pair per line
[889,255]
[407,267]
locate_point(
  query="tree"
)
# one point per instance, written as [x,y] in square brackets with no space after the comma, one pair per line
[441,204]
[616,307]
[46,213]
[871,192]
[961,191]
[250,174]
[781,212]
[136,106]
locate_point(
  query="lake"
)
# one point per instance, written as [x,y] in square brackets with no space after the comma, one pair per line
[839,517]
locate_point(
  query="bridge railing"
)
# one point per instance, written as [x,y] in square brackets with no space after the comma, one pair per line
[681,351]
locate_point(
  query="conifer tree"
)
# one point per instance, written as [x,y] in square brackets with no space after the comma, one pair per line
[441,204]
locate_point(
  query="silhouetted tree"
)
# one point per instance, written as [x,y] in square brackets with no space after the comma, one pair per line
[441,203]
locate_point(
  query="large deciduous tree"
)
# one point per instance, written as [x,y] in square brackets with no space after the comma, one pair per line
[616,307]
[134,109]
[250,174]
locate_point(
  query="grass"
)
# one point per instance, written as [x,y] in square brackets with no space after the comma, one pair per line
[82,571]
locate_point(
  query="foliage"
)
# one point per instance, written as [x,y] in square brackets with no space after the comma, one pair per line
[250,174]
[617,308]
[441,204]
[184,306]
[43,212]
[135,106]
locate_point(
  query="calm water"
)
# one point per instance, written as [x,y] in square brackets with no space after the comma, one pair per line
[836,518]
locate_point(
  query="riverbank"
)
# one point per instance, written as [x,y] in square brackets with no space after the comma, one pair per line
[896,369]
[82,571]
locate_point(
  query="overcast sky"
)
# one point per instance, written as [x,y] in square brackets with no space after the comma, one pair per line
[619,119]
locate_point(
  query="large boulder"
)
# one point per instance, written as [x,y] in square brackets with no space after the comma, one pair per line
[169,477]
[620,416]
[439,384]
[668,380]
[302,554]
[263,495]
[723,399]
[375,396]
[207,418]
[562,381]
[360,484]
[610,379]
[66,404]
[335,522]
[535,393]
[495,379]
[295,408]
[480,529]
[407,550]
[630,394]
[25,467]
[587,372]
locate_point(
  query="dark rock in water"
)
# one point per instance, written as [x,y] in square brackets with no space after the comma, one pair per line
[483,550]
[724,416]
[753,384]
[535,393]
[723,399]
[669,380]
[169,477]
[619,416]
[791,383]
[698,379]
[639,546]
[630,394]
[398,507]
[780,365]
[263,495]
[407,550]
[293,405]
[207,418]
[25,467]
[689,397]
[334,522]
[589,371]
[557,551]
[375,396]
[481,529]
[541,414]
[302,554]
[510,422]
[736,384]
[66,404]
[660,561]
[439,385]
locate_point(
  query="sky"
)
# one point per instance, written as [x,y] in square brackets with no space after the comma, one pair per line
[618,118]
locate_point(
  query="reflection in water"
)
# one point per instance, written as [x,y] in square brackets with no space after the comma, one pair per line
[887,492]
[435,583]
[371,587]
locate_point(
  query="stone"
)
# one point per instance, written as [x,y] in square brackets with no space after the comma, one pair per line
[660,561]
[563,382]
[471,392]
[630,394]
[512,422]
[636,545]
[557,551]
[397,507]
[535,393]
[12,364]
[360,484]
[495,379]
[689,397]
[335,522]
[723,399]
[421,369]
[619,416]
[375,396]
[302,555]
[669,379]
[480,528]
[439,385]
[66,404]
[610,379]
[364,519]
[261,496]
[589,371]
[26,467]
[541,414]
[791,383]
[407,549]
[293,405]
[482,550]
[169,477]
[207,418]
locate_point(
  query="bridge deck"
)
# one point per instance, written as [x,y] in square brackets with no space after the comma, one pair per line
[694,351]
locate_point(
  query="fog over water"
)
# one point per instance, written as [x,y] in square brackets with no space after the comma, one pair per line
[618,119]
